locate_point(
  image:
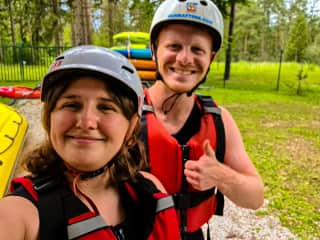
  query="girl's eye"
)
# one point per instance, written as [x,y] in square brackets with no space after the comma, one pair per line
[72,106]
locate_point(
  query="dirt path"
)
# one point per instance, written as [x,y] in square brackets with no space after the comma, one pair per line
[237,223]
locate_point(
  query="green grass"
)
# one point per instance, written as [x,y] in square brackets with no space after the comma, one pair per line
[264,77]
[281,132]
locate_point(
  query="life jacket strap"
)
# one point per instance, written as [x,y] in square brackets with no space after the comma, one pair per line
[164,203]
[191,199]
[79,229]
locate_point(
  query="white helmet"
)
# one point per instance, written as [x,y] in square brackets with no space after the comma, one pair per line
[100,60]
[197,11]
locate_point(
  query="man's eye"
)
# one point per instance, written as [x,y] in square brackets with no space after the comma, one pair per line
[198,50]
[105,108]
[174,46]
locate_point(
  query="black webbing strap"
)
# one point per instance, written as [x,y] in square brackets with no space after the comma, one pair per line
[144,131]
[210,107]
[56,205]
[191,199]
[184,187]
[51,213]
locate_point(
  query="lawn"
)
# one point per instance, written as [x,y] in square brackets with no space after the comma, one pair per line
[281,132]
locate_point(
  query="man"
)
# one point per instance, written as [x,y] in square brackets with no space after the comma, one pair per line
[186,134]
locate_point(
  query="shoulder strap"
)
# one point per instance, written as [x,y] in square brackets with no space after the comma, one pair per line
[143,129]
[51,212]
[211,107]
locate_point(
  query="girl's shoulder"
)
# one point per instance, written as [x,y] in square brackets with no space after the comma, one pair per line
[20,214]
[154,180]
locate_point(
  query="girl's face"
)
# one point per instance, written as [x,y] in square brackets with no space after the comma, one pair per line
[184,54]
[87,127]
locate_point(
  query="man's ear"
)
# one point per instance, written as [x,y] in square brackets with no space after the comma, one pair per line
[153,52]
[213,55]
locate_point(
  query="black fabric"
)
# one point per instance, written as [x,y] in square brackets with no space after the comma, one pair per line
[191,126]
[141,214]
[197,235]
[191,199]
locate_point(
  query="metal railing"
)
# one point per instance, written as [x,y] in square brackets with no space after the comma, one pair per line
[26,63]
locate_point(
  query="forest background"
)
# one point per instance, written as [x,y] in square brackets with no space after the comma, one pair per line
[280,128]
[255,30]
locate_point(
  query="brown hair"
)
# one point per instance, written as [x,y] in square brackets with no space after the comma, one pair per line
[44,160]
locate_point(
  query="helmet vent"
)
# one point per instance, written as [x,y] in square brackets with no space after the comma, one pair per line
[182,0]
[204,3]
[128,69]
[59,58]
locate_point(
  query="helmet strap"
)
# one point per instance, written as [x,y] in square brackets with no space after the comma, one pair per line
[92,174]
[167,106]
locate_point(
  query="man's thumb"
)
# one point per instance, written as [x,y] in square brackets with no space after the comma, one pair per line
[208,149]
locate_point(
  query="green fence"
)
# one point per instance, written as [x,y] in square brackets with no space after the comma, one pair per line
[26,63]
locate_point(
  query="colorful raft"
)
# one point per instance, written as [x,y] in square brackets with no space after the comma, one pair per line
[132,37]
[142,64]
[135,53]
[13,129]
[19,92]
[135,47]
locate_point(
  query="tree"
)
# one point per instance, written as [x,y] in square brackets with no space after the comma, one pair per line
[298,39]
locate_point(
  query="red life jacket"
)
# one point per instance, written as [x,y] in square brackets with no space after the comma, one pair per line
[64,216]
[167,157]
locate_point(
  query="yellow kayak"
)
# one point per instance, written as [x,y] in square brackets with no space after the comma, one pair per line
[13,129]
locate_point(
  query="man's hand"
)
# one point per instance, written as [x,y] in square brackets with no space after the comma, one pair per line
[201,174]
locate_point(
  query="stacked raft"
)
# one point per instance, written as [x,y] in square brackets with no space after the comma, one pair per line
[135,46]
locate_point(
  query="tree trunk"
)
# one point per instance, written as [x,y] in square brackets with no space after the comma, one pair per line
[80,23]
[56,24]
[229,43]
[86,19]
[13,31]
[110,20]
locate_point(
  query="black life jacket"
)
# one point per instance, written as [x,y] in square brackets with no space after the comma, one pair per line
[149,212]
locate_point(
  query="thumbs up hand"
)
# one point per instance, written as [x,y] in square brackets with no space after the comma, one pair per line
[201,174]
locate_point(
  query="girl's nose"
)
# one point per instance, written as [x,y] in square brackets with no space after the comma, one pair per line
[87,119]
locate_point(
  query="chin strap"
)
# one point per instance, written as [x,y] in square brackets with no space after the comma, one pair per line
[165,109]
